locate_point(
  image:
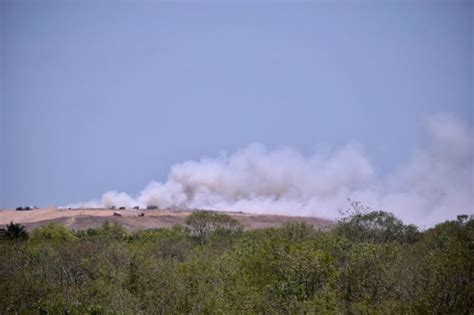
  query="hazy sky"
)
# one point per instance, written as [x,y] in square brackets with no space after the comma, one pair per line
[101,95]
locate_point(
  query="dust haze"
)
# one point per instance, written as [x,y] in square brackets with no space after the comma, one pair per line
[435,185]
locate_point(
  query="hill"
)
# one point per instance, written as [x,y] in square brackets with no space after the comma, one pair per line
[81,219]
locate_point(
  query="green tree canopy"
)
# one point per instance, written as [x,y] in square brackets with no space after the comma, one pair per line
[16,231]
[203,223]
[375,226]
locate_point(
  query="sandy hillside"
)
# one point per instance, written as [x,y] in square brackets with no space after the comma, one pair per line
[80,219]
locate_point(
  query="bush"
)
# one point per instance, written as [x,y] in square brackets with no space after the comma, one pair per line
[112,231]
[52,232]
[16,231]
[375,226]
[203,223]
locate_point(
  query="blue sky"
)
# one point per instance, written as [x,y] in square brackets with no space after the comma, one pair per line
[100,95]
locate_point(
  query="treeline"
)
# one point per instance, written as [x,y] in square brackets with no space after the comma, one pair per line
[368,263]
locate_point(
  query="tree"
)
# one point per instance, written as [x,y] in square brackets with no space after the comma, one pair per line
[203,223]
[278,273]
[375,226]
[52,232]
[109,230]
[16,231]
[441,269]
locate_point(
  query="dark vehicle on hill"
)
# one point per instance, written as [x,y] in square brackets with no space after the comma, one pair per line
[152,207]
[27,208]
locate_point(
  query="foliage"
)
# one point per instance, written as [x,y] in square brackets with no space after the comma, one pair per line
[111,231]
[444,271]
[52,232]
[203,223]
[367,264]
[363,225]
[16,231]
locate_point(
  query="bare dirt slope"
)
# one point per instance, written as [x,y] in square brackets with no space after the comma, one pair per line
[80,219]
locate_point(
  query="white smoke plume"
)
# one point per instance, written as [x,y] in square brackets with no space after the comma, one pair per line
[436,185]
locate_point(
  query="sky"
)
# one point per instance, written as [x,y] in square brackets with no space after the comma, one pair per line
[109,95]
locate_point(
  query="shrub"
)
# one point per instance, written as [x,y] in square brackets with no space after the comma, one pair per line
[111,231]
[375,226]
[16,231]
[52,232]
[203,223]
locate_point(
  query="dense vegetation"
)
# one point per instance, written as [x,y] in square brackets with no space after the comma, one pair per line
[368,263]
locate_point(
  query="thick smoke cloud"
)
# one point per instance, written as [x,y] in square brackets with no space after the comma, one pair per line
[435,185]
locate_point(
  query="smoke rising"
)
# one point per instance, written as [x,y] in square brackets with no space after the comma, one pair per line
[435,185]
